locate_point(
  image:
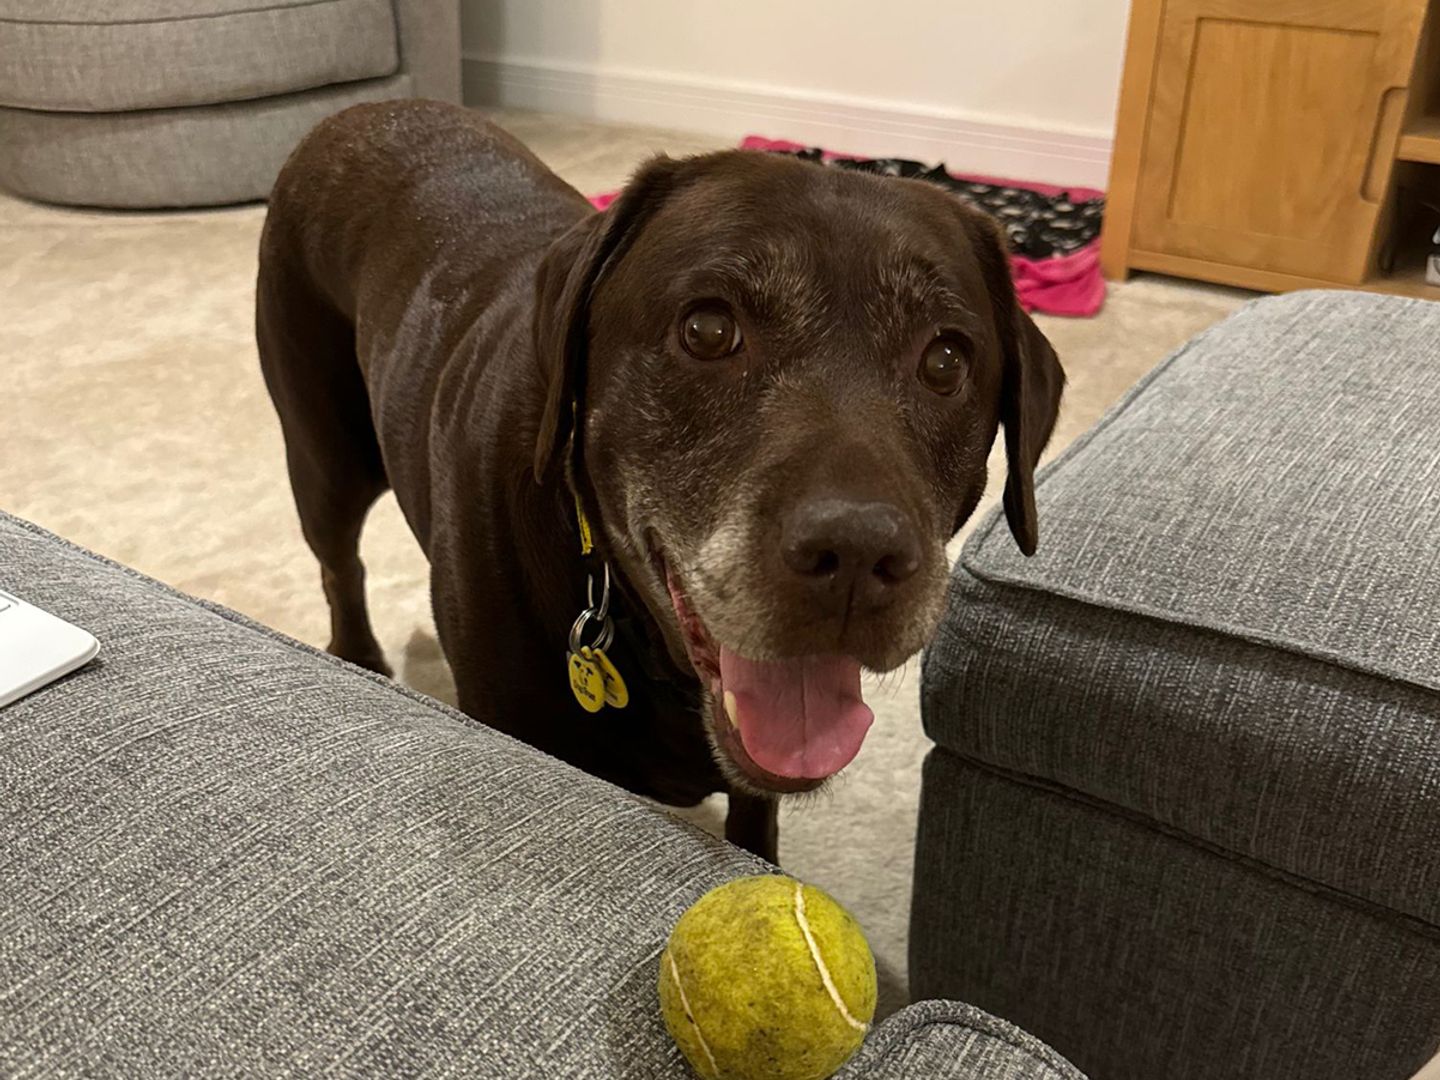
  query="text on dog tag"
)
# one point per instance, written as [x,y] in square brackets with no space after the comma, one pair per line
[586,681]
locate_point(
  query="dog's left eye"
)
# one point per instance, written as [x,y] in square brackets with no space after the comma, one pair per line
[942,364]
[709,332]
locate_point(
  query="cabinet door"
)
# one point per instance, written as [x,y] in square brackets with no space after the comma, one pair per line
[1271,131]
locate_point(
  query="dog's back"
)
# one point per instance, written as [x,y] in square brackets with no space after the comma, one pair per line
[396,270]
[398,252]
[383,196]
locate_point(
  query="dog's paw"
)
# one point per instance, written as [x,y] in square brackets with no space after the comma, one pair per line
[370,659]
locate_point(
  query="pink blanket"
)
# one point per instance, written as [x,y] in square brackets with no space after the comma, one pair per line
[1062,285]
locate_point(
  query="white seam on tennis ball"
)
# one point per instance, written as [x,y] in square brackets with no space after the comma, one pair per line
[685,1004]
[830,988]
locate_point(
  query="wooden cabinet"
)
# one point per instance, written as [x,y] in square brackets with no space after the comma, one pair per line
[1258,140]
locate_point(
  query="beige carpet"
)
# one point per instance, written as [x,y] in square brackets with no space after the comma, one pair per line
[138,426]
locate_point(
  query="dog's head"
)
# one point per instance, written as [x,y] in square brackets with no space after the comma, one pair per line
[784,382]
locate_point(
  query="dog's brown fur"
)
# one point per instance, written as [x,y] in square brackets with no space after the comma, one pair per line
[434,306]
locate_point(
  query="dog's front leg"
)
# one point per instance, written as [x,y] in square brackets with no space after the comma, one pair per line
[753,823]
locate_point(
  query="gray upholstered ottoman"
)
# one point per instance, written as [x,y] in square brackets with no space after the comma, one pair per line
[225,854]
[1183,820]
[155,103]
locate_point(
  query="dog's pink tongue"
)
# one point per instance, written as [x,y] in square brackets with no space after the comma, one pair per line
[800,718]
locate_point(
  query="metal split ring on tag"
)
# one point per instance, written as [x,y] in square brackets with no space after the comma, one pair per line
[594,679]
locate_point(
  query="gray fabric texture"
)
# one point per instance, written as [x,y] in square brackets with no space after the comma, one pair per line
[225,854]
[1270,481]
[1230,626]
[207,155]
[945,1039]
[1139,954]
[216,53]
[109,11]
[430,47]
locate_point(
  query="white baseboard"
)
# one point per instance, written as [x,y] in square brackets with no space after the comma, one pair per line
[730,110]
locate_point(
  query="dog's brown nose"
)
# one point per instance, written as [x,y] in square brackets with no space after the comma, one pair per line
[848,553]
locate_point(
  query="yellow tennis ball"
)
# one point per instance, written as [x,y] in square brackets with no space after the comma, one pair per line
[767,979]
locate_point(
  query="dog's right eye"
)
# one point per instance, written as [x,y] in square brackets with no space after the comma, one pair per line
[943,364]
[709,332]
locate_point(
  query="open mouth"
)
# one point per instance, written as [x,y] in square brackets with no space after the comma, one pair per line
[787,725]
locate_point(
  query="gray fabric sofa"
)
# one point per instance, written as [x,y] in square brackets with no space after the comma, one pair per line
[225,854]
[158,103]
[1183,818]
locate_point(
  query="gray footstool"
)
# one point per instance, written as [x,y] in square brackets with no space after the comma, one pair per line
[1183,820]
[156,103]
[226,854]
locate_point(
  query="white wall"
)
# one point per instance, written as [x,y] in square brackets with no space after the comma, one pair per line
[1024,87]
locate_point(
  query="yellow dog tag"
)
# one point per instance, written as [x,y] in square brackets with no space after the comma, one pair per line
[586,681]
[616,694]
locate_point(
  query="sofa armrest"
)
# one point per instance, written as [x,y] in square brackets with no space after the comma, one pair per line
[227,852]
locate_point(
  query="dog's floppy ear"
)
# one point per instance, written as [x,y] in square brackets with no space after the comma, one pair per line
[1031,384]
[568,276]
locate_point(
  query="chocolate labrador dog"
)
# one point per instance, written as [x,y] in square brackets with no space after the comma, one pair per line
[719,432]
